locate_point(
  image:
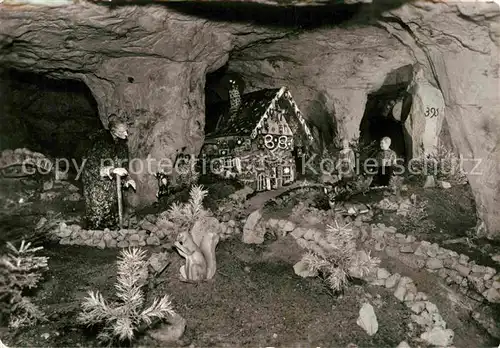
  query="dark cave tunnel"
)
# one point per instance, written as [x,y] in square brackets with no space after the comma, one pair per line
[53,117]
[386,111]
[217,95]
[277,13]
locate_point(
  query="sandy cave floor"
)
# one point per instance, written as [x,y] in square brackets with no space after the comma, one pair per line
[255,298]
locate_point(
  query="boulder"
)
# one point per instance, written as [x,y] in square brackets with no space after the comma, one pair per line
[252,232]
[438,337]
[424,122]
[367,319]
[169,332]
[302,270]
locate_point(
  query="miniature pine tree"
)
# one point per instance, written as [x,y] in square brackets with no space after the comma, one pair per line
[21,270]
[122,318]
[341,261]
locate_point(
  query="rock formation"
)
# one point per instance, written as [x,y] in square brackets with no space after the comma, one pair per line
[148,63]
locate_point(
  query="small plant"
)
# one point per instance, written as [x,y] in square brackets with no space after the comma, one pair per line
[443,164]
[21,270]
[341,262]
[417,219]
[187,173]
[122,318]
[184,215]
[395,184]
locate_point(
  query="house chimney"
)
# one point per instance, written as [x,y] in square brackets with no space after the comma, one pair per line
[234,98]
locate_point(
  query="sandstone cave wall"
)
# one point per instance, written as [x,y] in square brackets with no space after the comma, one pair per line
[459,43]
[456,44]
[336,68]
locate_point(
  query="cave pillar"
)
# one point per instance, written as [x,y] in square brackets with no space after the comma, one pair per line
[163,103]
[349,110]
[469,83]
[425,119]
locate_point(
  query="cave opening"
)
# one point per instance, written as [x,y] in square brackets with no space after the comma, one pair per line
[217,86]
[50,116]
[385,113]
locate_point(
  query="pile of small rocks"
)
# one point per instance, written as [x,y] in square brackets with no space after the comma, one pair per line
[229,229]
[255,227]
[455,268]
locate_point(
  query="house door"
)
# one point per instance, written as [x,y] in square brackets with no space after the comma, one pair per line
[261,182]
[279,177]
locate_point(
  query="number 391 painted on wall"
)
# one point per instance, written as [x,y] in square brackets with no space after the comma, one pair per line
[431,112]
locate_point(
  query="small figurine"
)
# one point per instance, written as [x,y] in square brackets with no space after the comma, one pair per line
[198,248]
[386,160]
[163,184]
[195,268]
[346,164]
[109,151]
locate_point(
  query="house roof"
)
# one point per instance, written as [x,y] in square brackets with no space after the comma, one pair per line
[253,106]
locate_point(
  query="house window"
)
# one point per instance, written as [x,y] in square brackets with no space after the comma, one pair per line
[288,176]
[228,163]
[231,164]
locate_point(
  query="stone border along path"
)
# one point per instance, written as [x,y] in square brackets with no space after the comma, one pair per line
[426,313]
[152,232]
[475,281]
[149,233]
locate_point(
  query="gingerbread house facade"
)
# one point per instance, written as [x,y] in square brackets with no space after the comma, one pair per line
[260,144]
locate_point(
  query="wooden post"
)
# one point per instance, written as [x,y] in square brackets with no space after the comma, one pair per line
[119,194]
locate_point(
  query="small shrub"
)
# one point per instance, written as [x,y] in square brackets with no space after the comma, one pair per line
[417,220]
[442,163]
[122,318]
[19,271]
[395,184]
[182,216]
[342,261]
[187,173]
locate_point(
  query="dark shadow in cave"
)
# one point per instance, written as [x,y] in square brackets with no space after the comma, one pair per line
[283,14]
[54,117]
[378,121]
[217,95]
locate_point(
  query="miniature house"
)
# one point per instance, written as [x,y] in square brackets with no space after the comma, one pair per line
[259,142]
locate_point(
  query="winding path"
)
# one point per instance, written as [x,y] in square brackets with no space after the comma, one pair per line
[260,199]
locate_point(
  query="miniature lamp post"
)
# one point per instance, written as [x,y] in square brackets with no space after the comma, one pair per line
[119,173]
